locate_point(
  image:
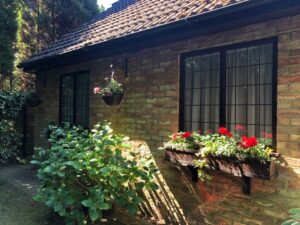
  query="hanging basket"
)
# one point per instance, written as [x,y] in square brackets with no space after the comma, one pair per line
[33,100]
[113,99]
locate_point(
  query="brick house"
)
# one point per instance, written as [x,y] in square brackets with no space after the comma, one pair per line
[187,65]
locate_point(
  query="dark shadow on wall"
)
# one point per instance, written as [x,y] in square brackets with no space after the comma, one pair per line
[174,202]
[179,200]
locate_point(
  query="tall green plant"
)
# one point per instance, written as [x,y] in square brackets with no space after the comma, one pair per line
[84,173]
[10,139]
[8,28]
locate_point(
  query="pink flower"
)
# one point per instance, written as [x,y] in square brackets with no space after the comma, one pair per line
[267,135]
[97,90]
[175,136]
[239,127]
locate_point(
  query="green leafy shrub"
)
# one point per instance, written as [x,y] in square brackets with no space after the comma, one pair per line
[84,173]
[295,217]
[10,139]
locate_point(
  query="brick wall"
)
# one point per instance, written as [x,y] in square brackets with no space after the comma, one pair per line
[149,112]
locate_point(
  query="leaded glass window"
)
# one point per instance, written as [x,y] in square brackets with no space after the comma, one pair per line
[74,99]
[228,86]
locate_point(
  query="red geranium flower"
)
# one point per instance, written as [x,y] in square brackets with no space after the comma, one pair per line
[223,130]
[186,135]
[229,134]
[248,142]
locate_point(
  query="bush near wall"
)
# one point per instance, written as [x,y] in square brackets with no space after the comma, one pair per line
[85,173]
[11,104]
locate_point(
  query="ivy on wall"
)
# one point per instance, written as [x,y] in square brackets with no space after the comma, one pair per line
[10,139]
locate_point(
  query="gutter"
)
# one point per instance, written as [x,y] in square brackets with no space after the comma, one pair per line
[186,23]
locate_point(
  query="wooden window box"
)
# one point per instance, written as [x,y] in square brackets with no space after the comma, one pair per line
[246,169]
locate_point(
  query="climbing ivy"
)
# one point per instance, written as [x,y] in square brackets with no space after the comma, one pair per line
[10,107]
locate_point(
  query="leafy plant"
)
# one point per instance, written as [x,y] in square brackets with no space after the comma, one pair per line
[184,141]
[113,87]
[84,173]
[10,138]
[295,217]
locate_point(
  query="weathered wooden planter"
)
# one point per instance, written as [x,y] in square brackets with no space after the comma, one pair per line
[246,169]
[113,99]
[183,157]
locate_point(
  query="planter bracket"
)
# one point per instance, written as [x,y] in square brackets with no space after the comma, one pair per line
[246,185]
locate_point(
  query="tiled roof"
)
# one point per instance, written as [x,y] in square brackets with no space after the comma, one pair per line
[127,17]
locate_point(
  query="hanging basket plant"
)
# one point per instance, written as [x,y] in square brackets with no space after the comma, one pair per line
[113,99]
[112,93]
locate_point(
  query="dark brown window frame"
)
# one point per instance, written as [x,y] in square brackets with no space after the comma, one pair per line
[74,76]
[223,50]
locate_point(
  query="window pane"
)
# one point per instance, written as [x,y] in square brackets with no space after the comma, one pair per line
[242,57]
[253,94]
[253,74]
[197,64]
[230,59]
[249,88]
[241,95]
[206,62]
[253,55]
[188,80]
[188,65]
[241,75]
[230,76]
[197,80]
[187,113]
[196,113]
[266,53]
[202,101]
[67,99]
[82,99]
[196,96]
[75,100]
[266,74]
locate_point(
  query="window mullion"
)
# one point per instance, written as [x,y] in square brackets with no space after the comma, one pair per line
[223,87]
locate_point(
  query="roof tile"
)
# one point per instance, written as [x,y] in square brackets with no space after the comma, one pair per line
[127,17]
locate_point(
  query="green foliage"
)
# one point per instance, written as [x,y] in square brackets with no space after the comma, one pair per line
[8,28]
[184,141]
[10,139]
[84,173]
[295,217]
[58,17]
[28,26]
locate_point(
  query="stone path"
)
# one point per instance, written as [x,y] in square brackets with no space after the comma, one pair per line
[18,184]
[22,177]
